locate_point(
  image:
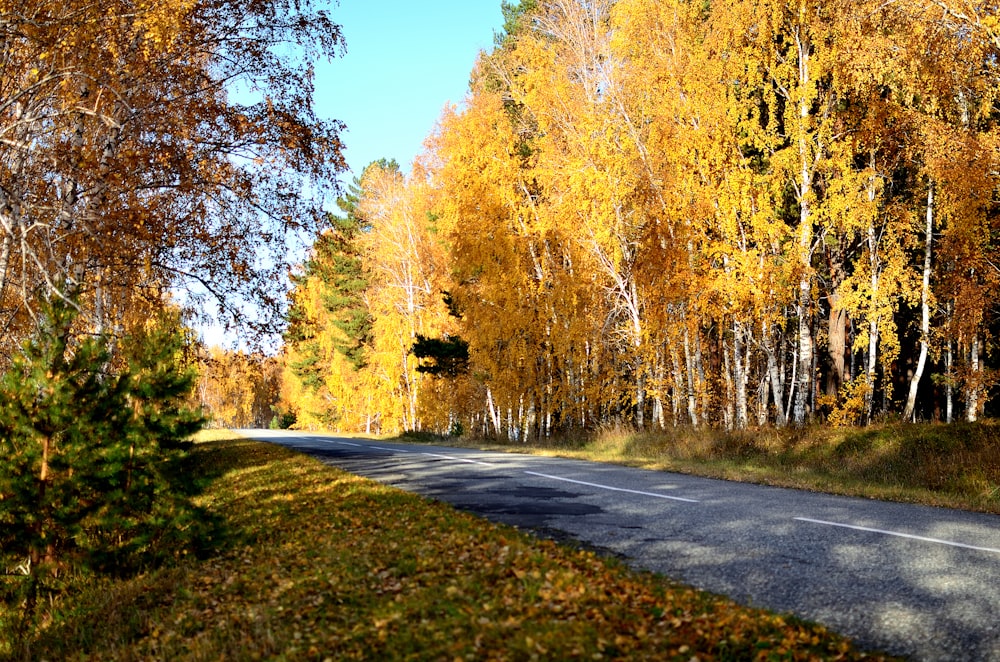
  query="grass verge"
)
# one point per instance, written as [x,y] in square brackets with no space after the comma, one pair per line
[317,564]
[955,465]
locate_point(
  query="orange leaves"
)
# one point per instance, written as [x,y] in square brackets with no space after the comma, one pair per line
[140,174]
[661,211]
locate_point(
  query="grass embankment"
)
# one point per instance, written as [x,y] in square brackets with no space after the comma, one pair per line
[956,465]
[320,564]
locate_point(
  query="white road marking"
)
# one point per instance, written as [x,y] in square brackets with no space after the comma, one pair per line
[458,459]
[613,489]
[382,448]
[347,443]
[901,535]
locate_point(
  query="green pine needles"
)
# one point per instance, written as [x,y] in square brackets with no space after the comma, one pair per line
[90,453]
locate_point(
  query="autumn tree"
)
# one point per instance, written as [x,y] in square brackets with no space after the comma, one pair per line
[328,317]
[237,389]
[403,265]
[670,213]
[154,145]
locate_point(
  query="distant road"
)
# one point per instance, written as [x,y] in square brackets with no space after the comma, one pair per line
[909,580]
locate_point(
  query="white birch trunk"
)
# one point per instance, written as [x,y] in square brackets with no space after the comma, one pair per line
[494,412]
[677,388]
[949,389]
[774,377]
[729,408]
[691,397]
[739,377]
[870,372]
[972,388]
[909,412]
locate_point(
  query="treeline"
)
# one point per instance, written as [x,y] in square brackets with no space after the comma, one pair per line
[659,213]
[239,390]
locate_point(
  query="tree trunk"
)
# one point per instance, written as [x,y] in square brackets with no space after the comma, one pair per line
[691,393]
[640,398]
[806,165]
[949,403]
[836,324]
[972,386]
[793,383]
[729,406]
[870,373]
[873,261]
[36,557]
[762,400]
[739,376]
[677,389]
[706,402]
[494,412]
[909,413]
[659,415]
[774,374]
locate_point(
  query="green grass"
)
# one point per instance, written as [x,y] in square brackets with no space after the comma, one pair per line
[955,465]
[312,563]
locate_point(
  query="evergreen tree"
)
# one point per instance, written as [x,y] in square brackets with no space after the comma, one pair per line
[516,17]
[60,418]
[447,356]
[337,264]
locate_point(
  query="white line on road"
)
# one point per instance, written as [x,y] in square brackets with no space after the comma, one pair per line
[347,443]
[458,459]
[900,535]
[613,489]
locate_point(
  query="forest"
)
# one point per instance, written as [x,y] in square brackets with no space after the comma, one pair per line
[659,213]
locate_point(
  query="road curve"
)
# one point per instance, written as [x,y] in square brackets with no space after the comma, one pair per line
[910,580]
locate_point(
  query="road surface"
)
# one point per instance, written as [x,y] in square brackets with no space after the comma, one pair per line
[910,580]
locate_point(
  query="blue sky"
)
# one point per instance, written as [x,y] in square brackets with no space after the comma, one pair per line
[405,60]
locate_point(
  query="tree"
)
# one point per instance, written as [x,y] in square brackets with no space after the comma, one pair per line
[664,212]
[449,357]
[403,265]
[237,389]
[150,145]
[89,452]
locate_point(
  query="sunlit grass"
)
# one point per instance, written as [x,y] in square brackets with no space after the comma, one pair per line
[314,564]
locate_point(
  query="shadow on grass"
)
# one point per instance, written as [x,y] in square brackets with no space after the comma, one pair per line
[961,459]
[208,462]
[91,610]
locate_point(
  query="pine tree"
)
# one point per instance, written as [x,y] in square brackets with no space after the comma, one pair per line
[58,413]
[336,264]
[89,454]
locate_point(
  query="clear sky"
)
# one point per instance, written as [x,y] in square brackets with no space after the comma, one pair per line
[405,60]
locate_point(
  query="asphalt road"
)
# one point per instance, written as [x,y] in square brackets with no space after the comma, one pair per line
[910,580]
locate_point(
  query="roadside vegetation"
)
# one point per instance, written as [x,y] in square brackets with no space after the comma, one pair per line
[312,563]
[953,465]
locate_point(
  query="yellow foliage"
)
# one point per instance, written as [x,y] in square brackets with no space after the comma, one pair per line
[658,213]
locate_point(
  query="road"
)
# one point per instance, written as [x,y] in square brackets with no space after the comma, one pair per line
[910,580]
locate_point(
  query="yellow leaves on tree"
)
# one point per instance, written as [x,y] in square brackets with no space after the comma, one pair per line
[665,213]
